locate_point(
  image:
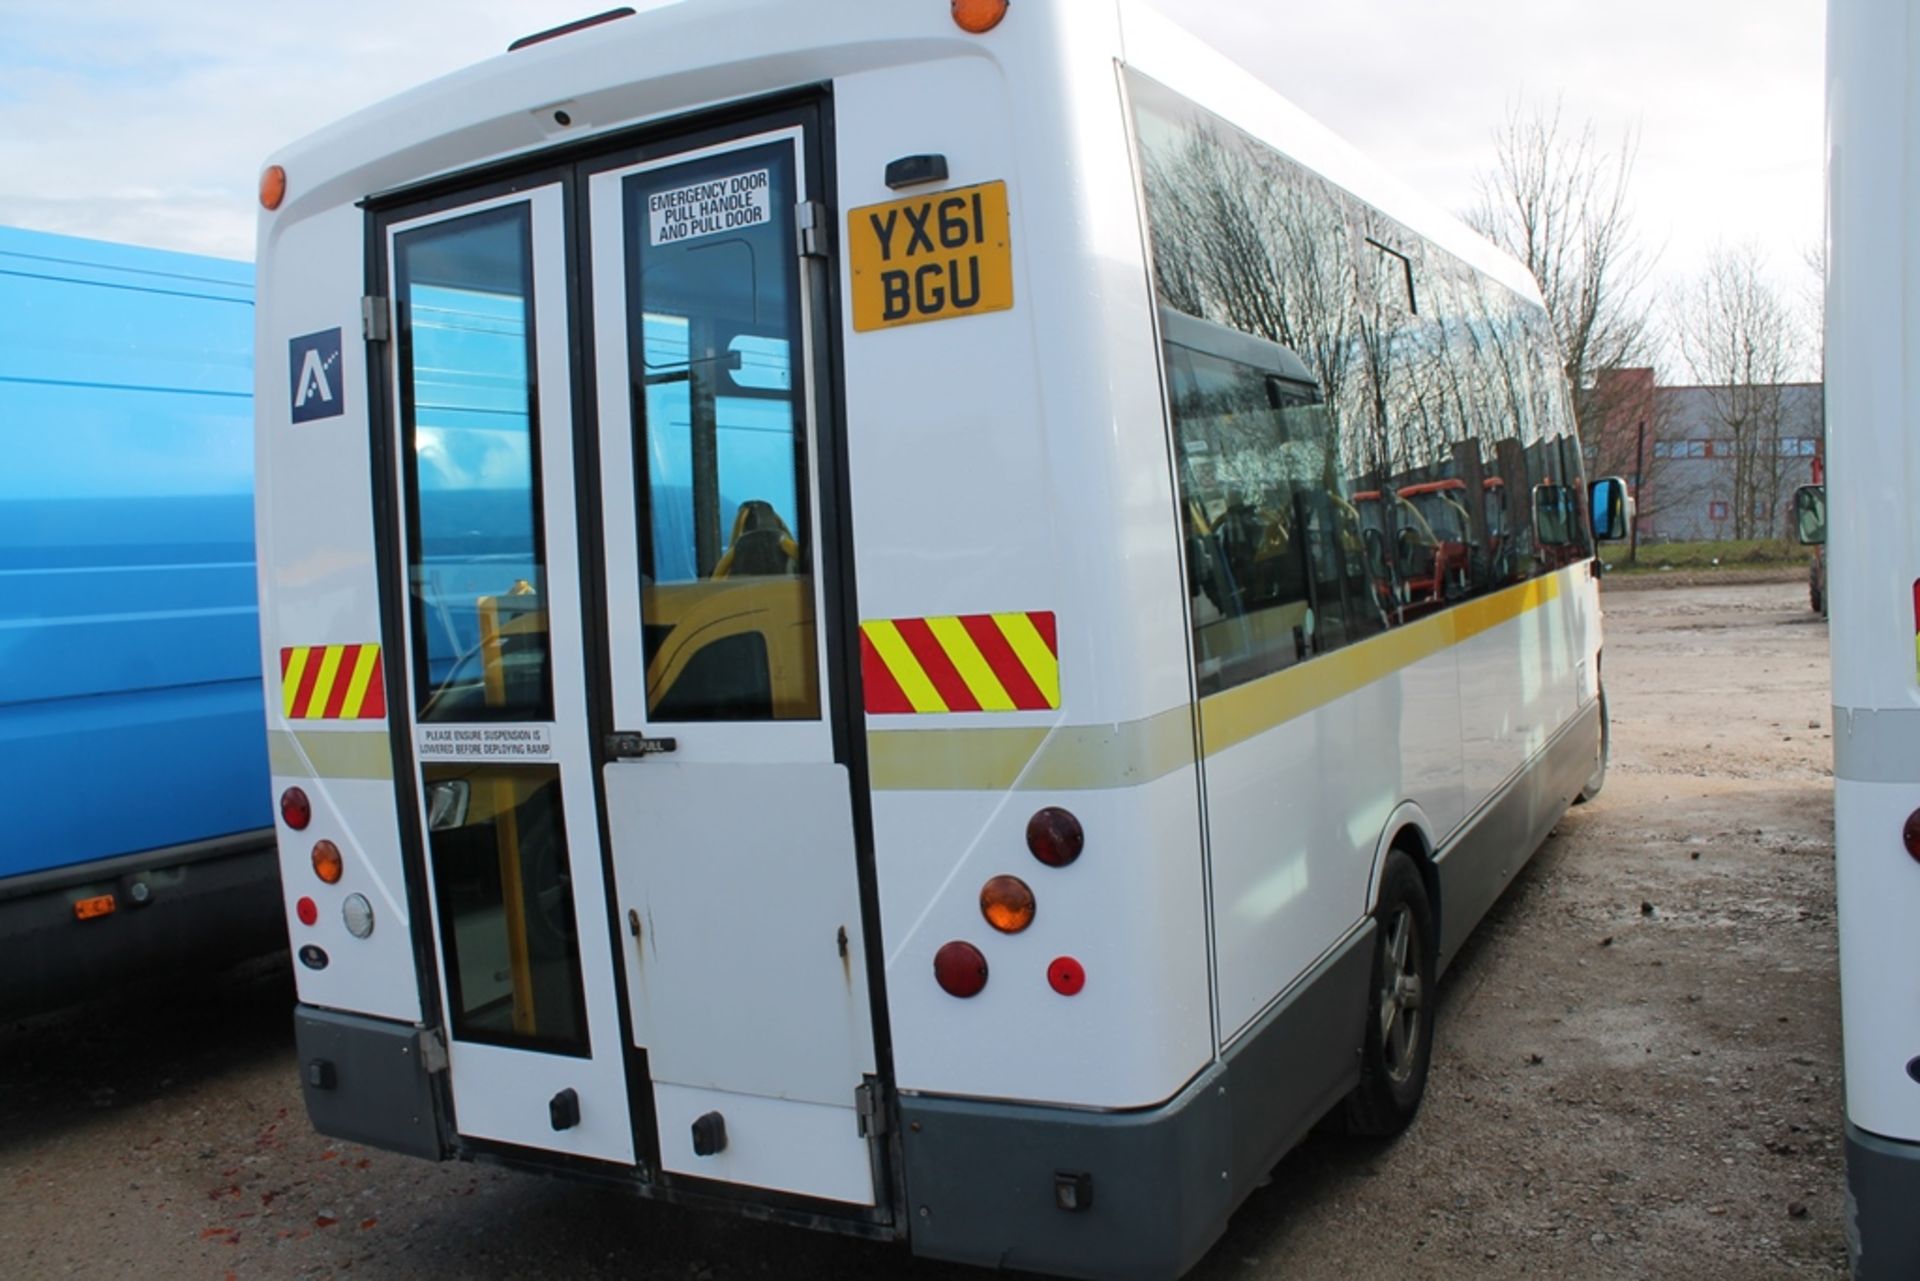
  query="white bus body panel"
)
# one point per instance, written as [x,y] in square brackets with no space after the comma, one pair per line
[314,550]
[1872,374]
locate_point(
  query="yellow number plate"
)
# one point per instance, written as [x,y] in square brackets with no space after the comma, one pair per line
[930,257]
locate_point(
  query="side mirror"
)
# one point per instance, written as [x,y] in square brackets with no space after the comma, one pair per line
[1612,509]
[1810,513]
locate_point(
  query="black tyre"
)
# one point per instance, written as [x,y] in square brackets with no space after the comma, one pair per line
[1598,779]
[1399,1039]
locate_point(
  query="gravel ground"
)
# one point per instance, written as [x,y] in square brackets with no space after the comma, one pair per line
[1636,1075]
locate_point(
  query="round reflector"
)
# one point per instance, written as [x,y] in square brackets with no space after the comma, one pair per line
[307,910]
[1007,904]
[327,864]
[960,969]
[273,187]
[1910,834]
[979,15]
[296,809]
[1055,836]
[358,914]
[1066,976]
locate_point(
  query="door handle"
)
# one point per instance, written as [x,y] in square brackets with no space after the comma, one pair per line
[633,747]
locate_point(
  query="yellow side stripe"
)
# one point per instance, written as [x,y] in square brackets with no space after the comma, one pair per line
[1236,715]
[1078,757]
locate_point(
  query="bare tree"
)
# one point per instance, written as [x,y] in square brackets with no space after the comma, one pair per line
[1557,200]
[1742,339]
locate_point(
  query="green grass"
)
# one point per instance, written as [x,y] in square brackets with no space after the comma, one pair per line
[1707,557]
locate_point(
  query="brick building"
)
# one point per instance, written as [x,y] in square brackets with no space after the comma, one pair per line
[1711,462]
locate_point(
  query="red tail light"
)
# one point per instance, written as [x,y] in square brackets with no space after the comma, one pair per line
[1910,834]
[1055,836]
[1066,976]
[960,969]
[307,910]
[296,809]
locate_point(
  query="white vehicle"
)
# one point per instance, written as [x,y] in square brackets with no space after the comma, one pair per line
[1872,575]
[850,632]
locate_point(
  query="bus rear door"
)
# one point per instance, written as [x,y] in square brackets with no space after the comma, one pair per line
[633,762]
[729,809]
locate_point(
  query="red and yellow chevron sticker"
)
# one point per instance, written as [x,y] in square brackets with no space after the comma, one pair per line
[332,683]
[961,663]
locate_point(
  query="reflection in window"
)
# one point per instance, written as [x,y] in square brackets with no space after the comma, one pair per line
[504,891]
[727,587]
[1440,389]
[476,578]
[1276,555]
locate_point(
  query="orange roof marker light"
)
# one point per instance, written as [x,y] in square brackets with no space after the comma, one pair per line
[273,187]
[979,16]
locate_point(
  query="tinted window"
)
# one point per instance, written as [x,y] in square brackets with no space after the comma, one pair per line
[505,896]
[719,424]
[1439,388]
[476,579]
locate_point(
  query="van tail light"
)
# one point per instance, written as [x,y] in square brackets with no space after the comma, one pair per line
[1910,835]
[1055,836]
[960,969]
[295,809]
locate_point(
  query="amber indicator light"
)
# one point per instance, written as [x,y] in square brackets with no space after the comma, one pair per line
[977,16]
[960,969]
[87,909]
[1055,836]
[327,864]
[1007,904]
[273,187]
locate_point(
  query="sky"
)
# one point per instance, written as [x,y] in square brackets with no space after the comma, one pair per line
[148,123]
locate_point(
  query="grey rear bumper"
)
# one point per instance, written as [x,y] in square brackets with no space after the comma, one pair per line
[1133,1194]
[1883,1191]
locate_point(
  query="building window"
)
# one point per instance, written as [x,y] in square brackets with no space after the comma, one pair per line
[1716,511]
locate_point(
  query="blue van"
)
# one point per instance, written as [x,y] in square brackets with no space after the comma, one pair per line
[133,773]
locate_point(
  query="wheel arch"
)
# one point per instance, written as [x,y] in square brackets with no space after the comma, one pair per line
[1407,829]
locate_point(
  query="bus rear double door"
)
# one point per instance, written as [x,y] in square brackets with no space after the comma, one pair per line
[639,848]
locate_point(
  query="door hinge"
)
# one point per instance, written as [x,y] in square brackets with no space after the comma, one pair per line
[869,1108]
[373,318]
[433,1051]
[810,222]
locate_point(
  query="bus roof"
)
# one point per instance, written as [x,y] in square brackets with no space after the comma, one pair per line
[677,58]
